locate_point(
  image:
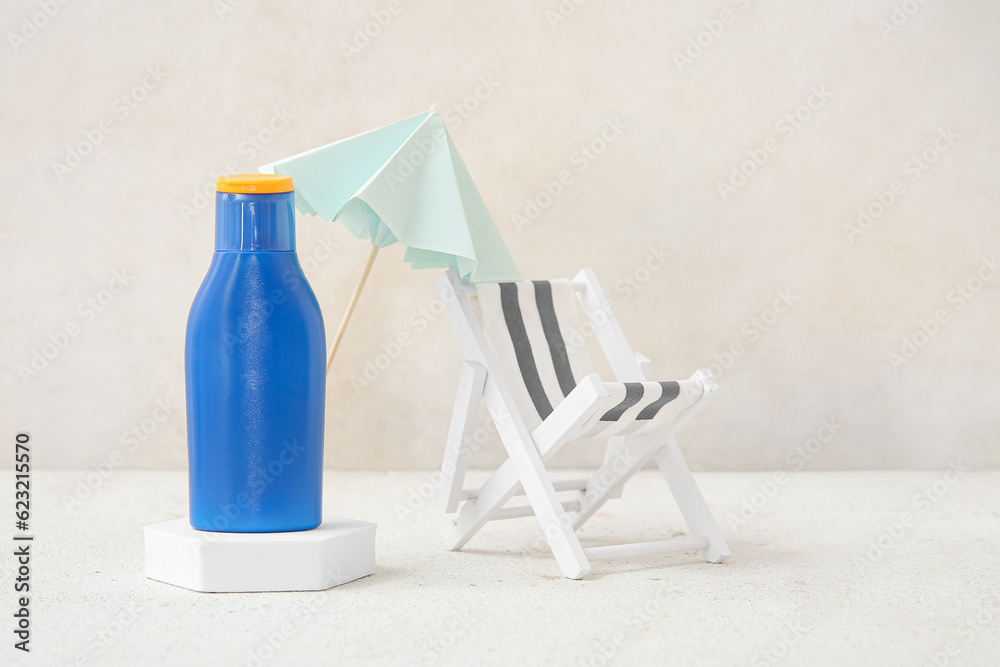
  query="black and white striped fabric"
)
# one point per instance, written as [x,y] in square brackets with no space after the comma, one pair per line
[535,335]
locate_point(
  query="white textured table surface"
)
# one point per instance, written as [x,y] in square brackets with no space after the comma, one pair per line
[804,586]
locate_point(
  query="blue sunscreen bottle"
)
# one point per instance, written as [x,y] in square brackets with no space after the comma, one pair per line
[255,366]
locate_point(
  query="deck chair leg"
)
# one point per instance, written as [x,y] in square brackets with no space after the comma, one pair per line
[458,448]
[635,452]
[475,513]
[524,469]
[690,501]
[556,524]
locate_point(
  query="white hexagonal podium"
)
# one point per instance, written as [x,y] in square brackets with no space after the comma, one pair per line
[338,551]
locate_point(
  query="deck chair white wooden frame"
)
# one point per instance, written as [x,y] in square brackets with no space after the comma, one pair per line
[573,417]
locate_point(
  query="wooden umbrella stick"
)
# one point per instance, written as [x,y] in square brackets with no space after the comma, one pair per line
[350,308]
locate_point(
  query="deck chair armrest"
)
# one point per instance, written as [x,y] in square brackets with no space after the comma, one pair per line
[571,413]
[707,380]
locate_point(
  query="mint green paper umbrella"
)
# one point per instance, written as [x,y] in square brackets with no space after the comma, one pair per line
[402,183]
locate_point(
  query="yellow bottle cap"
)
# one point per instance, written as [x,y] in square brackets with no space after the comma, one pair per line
[254,183]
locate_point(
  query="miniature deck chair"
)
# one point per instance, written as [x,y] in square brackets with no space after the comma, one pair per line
[528,361]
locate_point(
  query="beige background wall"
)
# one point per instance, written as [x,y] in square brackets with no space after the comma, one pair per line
[209,87]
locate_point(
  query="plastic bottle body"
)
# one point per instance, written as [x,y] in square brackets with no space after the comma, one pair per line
[256,377]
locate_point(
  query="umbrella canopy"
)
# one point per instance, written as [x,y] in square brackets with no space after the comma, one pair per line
[405,183]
